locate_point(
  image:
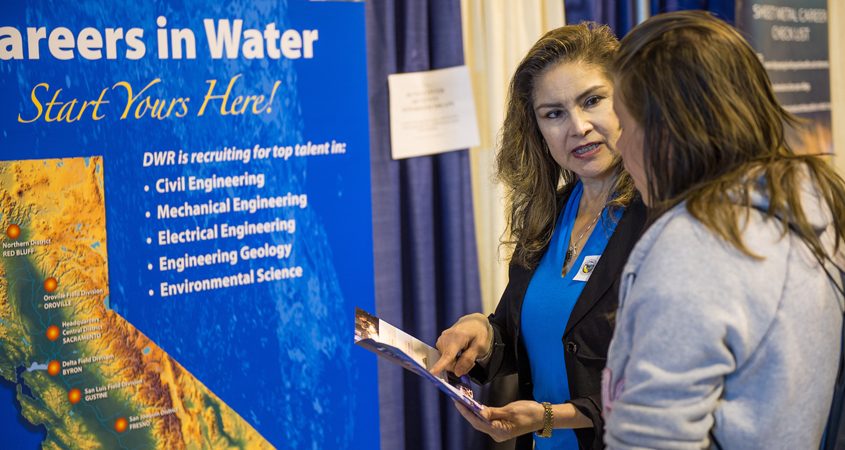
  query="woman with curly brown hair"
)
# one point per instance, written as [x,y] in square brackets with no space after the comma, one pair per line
[730,314]
[573,218]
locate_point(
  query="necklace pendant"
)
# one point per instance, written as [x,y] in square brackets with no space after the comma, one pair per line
[566,259]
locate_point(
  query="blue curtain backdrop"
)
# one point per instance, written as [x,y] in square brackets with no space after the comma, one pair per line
[724,9]
[426,268]
[621,14]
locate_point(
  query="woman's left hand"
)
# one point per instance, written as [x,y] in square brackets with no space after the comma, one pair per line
[509,421]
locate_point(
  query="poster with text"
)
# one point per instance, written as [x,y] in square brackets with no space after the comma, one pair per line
[186,225]
[791,39]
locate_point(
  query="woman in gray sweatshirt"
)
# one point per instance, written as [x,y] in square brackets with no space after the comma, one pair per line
[730,311]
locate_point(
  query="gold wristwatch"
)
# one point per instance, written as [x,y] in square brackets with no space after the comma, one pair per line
[548,421]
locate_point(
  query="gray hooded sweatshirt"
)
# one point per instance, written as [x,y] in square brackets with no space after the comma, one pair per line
[715,349]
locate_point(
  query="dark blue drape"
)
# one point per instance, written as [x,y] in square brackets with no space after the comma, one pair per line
[724,9]
[621,14]
[426,268]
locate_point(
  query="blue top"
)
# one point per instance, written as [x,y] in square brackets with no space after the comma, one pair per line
[547,305]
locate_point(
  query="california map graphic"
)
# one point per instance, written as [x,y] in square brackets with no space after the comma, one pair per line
[80,370]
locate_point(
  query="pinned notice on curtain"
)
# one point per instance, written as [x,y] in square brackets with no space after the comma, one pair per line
[431,112]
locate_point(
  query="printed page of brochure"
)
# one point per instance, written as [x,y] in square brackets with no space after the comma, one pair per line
[411,353]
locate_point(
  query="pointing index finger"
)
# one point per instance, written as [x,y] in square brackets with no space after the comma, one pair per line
[447,359]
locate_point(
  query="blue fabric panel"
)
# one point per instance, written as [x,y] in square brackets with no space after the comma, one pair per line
[621,15]
[724,9]
[426,268]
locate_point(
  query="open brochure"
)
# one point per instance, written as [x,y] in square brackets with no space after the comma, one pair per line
[413,354]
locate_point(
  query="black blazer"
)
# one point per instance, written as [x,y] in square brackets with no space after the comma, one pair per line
[587,334]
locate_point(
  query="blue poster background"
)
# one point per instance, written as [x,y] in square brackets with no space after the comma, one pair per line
[280,352]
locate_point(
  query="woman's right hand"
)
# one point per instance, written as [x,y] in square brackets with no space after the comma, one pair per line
[469,339]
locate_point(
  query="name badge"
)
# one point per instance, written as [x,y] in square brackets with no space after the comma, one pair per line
[586,268]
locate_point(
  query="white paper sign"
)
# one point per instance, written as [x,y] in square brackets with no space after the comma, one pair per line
[431,112]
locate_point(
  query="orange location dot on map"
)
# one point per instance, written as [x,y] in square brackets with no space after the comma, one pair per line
[50,284]
[13,231]
[53,368]
[52,332]
[121,424]
[74,396]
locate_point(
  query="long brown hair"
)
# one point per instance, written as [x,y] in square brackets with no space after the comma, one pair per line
[714,131]
[531,176]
